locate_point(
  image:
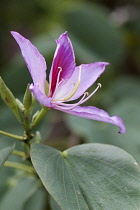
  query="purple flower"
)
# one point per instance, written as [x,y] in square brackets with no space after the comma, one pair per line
[67,82]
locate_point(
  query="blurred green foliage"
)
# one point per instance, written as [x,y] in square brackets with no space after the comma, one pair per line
[103,30]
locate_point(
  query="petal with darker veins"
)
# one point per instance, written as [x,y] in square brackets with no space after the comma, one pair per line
[64,58]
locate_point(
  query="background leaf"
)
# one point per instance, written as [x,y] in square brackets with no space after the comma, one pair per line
[54,205]
[95,31]
[88,176]
[5,152]
[38,201]
[16,197]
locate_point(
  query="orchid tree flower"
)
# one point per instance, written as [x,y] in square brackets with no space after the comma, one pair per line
[67,82]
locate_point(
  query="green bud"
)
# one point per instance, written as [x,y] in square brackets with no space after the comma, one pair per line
[33,100]
[27,100]
[9,99]
[20,105]
[37,137]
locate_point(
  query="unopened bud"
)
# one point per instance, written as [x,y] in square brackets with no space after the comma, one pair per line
[9,99]
[27,100]
[37,137]
[20,105]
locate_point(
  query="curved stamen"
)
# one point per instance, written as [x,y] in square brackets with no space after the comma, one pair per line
[98,86]
[73,91]
[83,99]
[58,76]
[69,108]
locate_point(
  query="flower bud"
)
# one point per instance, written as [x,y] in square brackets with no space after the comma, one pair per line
[27,100]
[9,99]
[20,105]
[37,137]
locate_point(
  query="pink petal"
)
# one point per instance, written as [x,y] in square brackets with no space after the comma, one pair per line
[40,97]
[34,60]
[94,113]
[89,74]
[64,58]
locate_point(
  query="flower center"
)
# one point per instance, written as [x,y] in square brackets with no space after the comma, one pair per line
[74,89]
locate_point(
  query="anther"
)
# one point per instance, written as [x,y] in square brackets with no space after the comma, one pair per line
[87,93]
[60,68]
[58,76]
[99,84]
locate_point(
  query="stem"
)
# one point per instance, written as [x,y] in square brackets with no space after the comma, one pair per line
[19,153]
[39,117]
[27,124]
[28,169]
[21,138]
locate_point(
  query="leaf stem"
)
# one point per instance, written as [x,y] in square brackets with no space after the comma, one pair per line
[28,169]
[21,138]
[19,153]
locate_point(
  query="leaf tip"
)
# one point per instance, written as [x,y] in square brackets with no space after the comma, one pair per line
[64,154]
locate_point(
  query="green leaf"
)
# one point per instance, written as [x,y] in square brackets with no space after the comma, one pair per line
[54,205]
[38,201]
[17,196]
[5,152]
[89,176]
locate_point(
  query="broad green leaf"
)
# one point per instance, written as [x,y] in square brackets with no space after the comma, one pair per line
[59,180]
[54,205]
[6,149]
[38,201]
[4,153]
[17,195]
[89,176]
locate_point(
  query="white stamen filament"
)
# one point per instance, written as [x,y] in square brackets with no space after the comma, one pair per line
[74,105]
[98,86]
[83,99]
[57,82]
[73,91]
[58,76]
